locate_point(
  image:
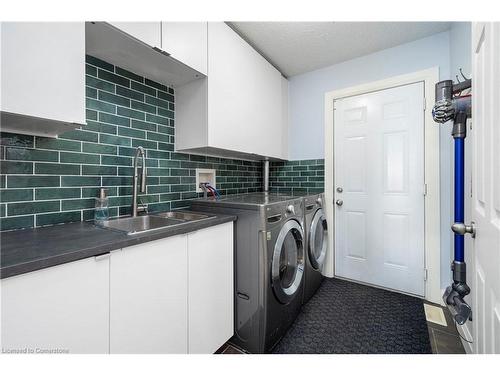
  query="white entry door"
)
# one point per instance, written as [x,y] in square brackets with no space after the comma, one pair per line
[485,135]
[379,188]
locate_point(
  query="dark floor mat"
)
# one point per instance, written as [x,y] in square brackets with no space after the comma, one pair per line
[345,317]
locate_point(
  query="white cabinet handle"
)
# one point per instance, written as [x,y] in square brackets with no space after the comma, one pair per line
[102,256]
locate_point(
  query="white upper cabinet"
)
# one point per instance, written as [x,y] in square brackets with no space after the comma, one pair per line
[186,42]
[137,46]
[42,77]
[146,32]
[244,96]
[238,110]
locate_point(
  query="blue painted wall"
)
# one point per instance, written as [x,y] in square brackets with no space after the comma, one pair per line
[446,50]
[307,91]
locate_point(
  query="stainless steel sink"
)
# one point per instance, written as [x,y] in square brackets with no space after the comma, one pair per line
[183,216]
[139,224]
[146,223]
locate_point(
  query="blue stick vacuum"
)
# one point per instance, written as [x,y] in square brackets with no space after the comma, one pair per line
[452,105]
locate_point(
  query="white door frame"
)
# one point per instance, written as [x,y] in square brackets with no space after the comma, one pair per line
[431,165]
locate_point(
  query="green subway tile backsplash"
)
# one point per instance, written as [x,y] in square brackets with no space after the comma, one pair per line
[12,153]
[15,167]
[48,181]
[111,77]
[57,218]
[57,144]
[80,158]
[32,181]
[57,193]
[100,84]
[20,140]
[97,63]
[298,177]
[58,169]
[16,195]
[129,74]
[16,222]
[25,208]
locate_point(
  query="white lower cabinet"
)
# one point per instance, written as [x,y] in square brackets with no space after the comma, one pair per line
[211,312]
[172,295]
[148,291]
[62,308]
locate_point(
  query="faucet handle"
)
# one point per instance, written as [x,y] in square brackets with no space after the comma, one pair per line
[143,207]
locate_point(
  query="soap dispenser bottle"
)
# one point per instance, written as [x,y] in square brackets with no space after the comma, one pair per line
[101,206]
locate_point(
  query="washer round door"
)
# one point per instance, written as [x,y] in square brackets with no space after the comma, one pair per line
[287,266]
[318,236]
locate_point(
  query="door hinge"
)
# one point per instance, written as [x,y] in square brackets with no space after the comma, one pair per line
[425,274]
[425,104]
[425,190]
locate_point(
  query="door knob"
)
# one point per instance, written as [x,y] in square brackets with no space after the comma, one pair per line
[462,229]
[339,202]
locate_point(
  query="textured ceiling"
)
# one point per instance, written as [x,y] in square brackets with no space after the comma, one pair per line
[299,47]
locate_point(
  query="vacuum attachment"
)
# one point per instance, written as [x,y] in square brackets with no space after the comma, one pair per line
[455,293]
[449,104]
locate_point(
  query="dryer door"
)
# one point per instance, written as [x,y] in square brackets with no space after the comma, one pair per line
[288,261]
[318,236]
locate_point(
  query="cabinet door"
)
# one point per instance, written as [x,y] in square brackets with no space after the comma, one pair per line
[147,32]
[244,96]
[148,291]
[43,70]
[63,308]
[187,43]
[211,297]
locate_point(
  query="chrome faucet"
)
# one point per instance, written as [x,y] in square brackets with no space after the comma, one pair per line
[139,152]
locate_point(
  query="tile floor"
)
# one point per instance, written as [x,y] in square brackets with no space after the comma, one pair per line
[228,349]
[444,339]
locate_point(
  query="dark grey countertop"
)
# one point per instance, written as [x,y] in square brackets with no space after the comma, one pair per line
[29,250]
